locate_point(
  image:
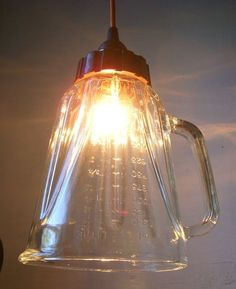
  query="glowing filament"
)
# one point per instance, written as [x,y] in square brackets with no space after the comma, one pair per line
[110,121]
[111,117]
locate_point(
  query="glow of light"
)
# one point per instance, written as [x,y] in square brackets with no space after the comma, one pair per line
[110,118]
[110,121]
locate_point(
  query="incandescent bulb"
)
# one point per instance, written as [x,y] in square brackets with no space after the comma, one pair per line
[110,122]
[110,117]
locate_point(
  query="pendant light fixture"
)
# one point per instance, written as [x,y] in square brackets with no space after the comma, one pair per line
[109,201]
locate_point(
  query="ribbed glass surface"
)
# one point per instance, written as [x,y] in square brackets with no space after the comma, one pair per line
[109,199]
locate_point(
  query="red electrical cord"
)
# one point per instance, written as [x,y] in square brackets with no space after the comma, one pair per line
[112,13]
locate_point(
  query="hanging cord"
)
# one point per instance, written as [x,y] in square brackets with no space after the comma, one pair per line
[112,13]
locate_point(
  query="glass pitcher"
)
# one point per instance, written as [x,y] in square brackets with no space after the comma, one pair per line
[110,200]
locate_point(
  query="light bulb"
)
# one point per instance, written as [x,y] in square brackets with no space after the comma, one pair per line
[110,117]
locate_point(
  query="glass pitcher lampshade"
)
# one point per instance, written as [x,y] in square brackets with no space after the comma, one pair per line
[109,201]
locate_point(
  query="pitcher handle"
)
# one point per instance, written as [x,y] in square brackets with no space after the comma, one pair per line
[195,138]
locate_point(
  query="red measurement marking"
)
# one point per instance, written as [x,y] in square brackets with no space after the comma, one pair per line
[123,213]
